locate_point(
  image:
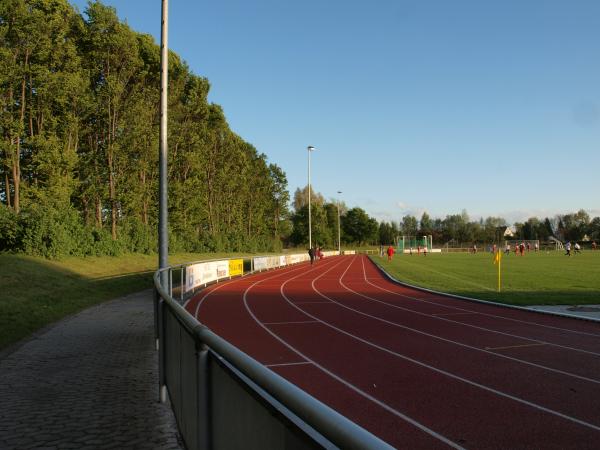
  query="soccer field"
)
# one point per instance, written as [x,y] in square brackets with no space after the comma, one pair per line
[543,278]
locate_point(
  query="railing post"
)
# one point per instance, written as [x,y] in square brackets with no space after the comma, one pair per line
[203,401]
[162,386]
[155,298]
[181,285]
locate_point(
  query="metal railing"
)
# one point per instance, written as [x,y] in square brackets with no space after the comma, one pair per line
[224,399]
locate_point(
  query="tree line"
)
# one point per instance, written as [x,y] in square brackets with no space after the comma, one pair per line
[79,115]
[460,228]
[357,228]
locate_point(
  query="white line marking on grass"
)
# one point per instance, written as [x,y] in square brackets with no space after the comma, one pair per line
[338,378]
[463,280]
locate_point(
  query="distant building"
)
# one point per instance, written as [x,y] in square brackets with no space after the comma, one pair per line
[504,233]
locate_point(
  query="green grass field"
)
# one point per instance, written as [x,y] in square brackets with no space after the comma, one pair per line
[35,292]
[544,278]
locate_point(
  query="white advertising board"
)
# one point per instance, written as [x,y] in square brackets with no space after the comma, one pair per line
[202,273]
[260,263]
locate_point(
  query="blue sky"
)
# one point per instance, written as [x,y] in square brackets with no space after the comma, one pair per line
[413,105]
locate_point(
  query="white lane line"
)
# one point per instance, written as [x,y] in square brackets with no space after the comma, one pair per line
[310,303]
[452,314]
[292,269]
[513,346]
[423,300]
[539,341]
[450,341]
[290,323]
[204,297]
[444,372]
[302,363]
[339,379]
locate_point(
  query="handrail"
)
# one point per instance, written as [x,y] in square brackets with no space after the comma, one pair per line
[328,423]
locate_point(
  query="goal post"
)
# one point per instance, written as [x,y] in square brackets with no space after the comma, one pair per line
[406,243]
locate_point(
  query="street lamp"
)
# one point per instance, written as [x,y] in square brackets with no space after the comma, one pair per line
[339,235]
[310,149]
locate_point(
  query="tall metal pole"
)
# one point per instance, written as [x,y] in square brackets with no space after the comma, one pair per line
[339,234]
[310,148]
[163,238]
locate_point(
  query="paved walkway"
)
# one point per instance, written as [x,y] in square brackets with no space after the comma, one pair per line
[585,311]
[89,382]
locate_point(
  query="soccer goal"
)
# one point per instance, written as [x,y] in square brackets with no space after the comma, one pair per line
[406,243]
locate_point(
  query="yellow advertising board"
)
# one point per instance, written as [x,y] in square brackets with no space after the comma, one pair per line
[236,267]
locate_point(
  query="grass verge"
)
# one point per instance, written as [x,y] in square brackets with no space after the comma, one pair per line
[36,292]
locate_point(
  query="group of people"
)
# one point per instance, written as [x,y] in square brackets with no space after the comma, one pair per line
[419,250]
[314,253]
[520,248]
[576,248]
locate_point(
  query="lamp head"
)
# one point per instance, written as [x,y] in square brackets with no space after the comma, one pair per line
[311,148]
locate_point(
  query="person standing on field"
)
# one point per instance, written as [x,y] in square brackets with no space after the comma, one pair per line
[311,255]
[390,252]
[568,249]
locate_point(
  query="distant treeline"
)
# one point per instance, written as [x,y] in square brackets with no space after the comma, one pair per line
[79,116]
[459,228]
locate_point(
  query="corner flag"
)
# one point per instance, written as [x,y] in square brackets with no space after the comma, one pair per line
[498,259]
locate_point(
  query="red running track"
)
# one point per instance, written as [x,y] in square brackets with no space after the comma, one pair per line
[417,369]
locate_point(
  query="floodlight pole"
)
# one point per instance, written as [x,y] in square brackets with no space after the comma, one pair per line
[339,234]
[163,237]
[310,148]
[163,243]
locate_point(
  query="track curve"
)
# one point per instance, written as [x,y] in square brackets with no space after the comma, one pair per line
[419,370]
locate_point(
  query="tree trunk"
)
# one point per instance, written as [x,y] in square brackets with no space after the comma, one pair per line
[112,196]
[7,189]
[144,199]
[16,160]
[86,211]
[98,203]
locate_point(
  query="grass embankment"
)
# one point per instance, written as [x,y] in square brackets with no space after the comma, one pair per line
[35,292]
[543,278]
